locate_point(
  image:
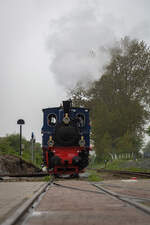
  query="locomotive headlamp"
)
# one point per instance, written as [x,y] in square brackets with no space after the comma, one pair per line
[66,119]
[82,142]
[50,142]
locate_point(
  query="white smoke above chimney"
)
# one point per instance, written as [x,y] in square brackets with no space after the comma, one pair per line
[78,45]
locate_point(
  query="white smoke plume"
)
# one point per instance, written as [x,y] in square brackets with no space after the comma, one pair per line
[78,45]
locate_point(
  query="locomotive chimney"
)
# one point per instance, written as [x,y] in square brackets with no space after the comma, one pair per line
[67,105]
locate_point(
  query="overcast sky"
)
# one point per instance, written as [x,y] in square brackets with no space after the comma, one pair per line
[47,46]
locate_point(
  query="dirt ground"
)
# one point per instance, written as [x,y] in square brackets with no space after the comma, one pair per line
[10,164]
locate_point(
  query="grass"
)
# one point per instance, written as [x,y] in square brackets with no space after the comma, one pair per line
[115,165]
[96,165]
[47,178]
[119,165]
[94,176]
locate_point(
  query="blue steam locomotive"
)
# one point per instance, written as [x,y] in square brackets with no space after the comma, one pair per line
[66,139]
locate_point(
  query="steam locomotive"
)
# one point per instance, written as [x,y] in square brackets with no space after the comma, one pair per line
[66,139]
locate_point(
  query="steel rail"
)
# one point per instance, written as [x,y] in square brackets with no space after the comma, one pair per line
[77,189]
[125,198]
[24,175]
[125,172]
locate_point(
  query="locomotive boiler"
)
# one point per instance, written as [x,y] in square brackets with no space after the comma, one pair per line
[66,139]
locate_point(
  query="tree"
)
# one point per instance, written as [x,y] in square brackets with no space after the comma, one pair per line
[125,143]
[79,95]
[120,99]
[5,146]
[10,145]
[148,131]
[106,147]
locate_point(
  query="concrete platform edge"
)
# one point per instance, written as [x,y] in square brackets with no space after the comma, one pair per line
[22,209]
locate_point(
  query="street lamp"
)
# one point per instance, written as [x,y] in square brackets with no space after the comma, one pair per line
[20,122]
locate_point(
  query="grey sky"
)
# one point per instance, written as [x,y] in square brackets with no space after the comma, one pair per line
[47,46]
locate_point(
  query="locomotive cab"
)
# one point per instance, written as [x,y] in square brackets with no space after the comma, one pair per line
[66,139]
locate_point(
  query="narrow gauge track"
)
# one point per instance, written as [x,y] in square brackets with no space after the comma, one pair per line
[126,198]
[22,177]
[124,172]
[25,175]
[119,172]
[131,200]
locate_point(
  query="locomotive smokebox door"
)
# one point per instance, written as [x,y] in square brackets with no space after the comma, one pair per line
[67,105]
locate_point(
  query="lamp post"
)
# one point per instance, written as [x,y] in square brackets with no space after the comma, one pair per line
[20,122]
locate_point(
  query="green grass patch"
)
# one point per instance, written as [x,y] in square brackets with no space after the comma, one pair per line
[94,176]
[121,165]
[96,165]
[115,165]
[47,178]
[118,164]
[132,169]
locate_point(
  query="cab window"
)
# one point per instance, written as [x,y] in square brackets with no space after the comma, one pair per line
[80,120]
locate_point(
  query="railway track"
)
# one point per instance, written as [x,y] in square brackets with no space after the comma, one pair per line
[124,172]
[99,191]
[24,175]
[42,174]
[132,200]
[119,173]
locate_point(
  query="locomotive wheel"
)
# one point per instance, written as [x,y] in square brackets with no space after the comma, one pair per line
[74,175]
[56,175]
